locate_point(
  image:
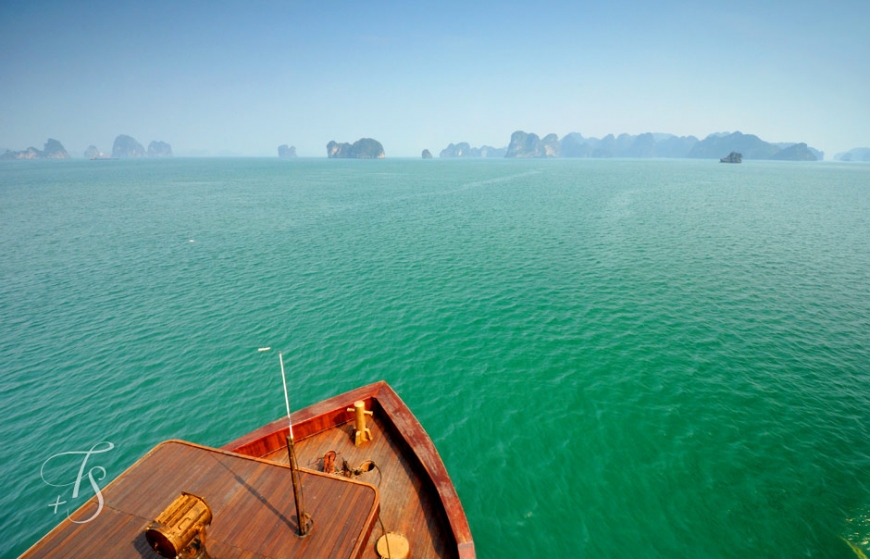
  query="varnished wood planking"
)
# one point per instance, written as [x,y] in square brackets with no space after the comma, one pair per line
[251,500]
[407,505]
[411,433]
[433,486]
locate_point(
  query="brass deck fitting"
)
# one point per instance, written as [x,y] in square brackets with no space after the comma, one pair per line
[179,531]
[393,546]
[362,432]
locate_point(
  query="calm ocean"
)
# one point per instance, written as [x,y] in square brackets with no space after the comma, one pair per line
[614,358]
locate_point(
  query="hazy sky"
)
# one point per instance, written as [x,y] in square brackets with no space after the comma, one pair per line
[243,77]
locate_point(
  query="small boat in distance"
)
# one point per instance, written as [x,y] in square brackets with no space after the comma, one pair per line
[374,489]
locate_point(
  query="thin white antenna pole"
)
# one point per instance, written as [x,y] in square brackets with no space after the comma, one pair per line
[286,398]
[303,518]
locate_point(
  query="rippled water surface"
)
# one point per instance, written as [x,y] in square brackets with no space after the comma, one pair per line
[614,358]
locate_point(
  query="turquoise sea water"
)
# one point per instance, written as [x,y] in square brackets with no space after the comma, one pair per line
[614,358]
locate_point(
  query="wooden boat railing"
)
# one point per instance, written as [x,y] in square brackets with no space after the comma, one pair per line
[332,413]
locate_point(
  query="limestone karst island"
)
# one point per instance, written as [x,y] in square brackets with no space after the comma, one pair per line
[52,150]
[364,148]
[126,147]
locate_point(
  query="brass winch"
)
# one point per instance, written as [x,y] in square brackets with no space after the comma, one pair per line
[179,531]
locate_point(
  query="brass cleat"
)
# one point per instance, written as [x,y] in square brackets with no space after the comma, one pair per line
[362,432]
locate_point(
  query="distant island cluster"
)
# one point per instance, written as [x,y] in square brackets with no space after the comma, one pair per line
[124,147]
[727,147]
[734,146]
[714,146]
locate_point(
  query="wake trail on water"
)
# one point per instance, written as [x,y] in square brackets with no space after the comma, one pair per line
[466,186]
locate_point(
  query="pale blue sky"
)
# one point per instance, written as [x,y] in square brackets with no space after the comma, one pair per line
[244,77]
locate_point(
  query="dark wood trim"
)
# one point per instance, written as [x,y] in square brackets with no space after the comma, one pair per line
[422,446]
[314,419]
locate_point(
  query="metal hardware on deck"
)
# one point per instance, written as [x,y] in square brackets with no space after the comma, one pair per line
[393,546]
[364,467]
[179,531]
[362,432]
[329,462]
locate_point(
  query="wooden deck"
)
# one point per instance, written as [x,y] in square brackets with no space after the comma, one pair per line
[248,487]
[417,498]
[254,515]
